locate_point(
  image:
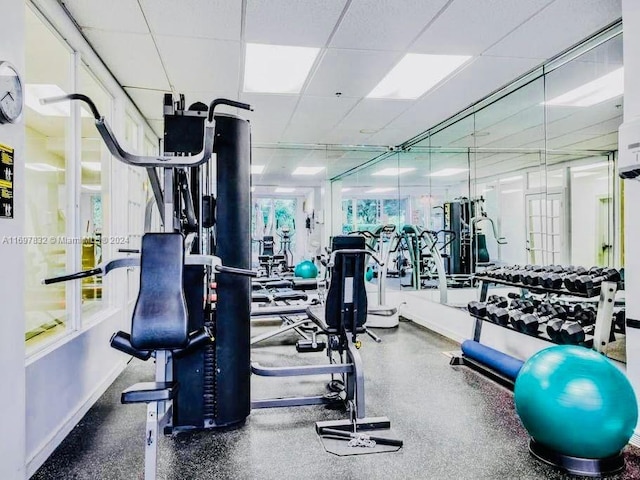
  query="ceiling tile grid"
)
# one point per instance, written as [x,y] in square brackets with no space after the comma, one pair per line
[201,64]
[384,24]
[558,27]
[219,19]
[469,27]
[140,67]
[361,40]
[114,15]
[304,23]
[352,73]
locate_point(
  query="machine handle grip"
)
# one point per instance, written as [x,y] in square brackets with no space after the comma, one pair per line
[74,96]
[224,101]
[72,276]
[235,271]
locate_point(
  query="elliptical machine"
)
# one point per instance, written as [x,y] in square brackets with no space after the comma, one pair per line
[286,233]
[382,315]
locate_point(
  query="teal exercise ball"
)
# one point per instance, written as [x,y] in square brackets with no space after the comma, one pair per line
[368,275]
[306,269]
[574,401]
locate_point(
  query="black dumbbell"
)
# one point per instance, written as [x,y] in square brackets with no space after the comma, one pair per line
[573,333]
[570,280]
[514,318]
[534,271]
[553,281]
[553,329]
[527,306]
[619,320]
[548,310]
[586,283]
[586,315]
[480,308]
[530,323]
[501,315]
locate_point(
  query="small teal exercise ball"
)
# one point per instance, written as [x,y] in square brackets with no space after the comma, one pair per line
[575,401]
[368,275]
[306,269]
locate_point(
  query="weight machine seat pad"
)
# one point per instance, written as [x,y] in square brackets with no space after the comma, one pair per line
[277,284]
[316,314]
[146,392]
[289,295]
[304,284]
[258,297]
[271,284]
[159,320]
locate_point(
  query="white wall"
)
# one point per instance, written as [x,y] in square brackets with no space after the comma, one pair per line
[585,193]
[631,21]
[12,348]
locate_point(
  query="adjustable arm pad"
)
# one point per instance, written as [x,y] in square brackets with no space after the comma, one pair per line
[197,339]
[122,341]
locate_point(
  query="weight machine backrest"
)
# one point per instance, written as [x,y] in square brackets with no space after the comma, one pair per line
[346,301]
[159,320]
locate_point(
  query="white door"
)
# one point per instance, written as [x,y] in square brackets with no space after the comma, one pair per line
[545,227]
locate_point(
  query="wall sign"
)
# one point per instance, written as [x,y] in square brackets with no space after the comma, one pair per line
[6,181]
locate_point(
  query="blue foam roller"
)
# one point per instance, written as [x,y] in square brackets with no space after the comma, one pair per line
[498,361]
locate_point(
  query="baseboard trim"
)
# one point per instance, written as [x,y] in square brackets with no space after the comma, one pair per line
[418,320]
[35,461]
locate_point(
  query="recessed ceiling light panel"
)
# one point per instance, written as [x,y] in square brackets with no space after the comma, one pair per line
[448,172]
[415,74]
[307,170]
[392,172]
[603,88]
[277,68]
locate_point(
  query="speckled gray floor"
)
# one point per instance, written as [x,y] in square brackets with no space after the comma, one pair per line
[455,424]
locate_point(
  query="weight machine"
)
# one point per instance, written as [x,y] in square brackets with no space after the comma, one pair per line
[467,252]
[202,188]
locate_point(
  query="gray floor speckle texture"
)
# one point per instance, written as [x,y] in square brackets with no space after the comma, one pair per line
[455,424]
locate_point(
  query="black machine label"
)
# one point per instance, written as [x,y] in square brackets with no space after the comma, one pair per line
[6,181]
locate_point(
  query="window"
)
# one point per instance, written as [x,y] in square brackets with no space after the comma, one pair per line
[48,196]
[95,163]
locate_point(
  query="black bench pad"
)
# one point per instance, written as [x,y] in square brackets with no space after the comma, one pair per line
[304,283]
[146,392]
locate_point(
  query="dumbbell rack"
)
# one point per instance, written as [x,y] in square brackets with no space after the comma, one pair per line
[604,317]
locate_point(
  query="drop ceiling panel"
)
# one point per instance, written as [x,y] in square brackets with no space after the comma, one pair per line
[483,76]
[148,101]
[485,22]
[353,73]
[113,15]
[316,116]
[201,64]
[345,136]
[219,19]
[374,113]
[384,24]
[305,23]
[388,136]
[140,67]
[270,116]
[557,27]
